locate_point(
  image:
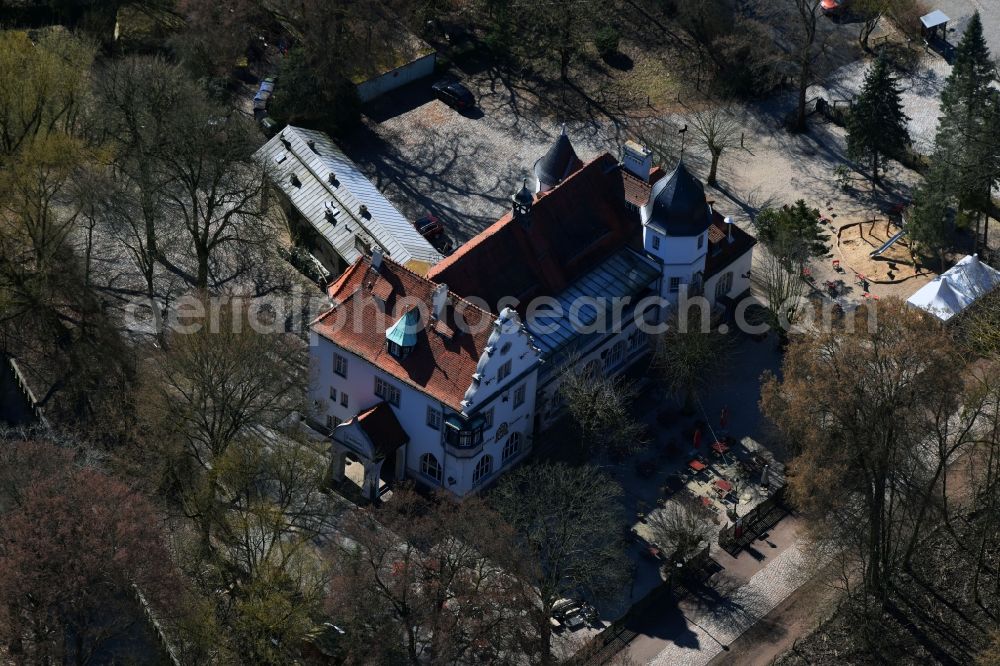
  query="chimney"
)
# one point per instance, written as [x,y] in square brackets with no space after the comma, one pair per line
[439,299]
[377,258]
[729,228]
[332,179]
[637,160]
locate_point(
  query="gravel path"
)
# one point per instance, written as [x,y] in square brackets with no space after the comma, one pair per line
[921,91]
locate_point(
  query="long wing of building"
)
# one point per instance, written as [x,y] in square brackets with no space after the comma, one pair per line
[347,212]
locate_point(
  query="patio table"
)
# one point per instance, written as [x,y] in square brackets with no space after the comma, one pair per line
[720,447]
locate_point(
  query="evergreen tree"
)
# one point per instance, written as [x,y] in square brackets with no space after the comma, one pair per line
[877,126]
[792,233]
[965,146]
[928,227]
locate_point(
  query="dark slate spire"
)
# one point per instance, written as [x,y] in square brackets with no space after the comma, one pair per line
[679,207]
[558,163]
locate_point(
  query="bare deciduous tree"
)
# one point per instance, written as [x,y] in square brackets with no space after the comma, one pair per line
[873,415]
[208,395]
[599,406]
[782,290]
[430,581]
[569,520]
[678,531]
[719,131]
[688,355]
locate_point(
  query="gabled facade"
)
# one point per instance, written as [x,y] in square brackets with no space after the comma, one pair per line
[471,386]
[460,381]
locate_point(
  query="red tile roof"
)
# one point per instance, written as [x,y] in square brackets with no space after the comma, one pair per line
[573,227]
[383,428]
[637,190]
[439,365]
[722,252]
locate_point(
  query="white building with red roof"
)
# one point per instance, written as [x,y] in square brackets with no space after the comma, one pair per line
[467,364]
[459,381]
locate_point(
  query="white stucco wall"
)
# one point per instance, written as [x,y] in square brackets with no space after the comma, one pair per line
[680,256]
[739,269]
[508,342]
[379,85]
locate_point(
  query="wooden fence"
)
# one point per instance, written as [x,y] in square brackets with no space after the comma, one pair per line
[28,397]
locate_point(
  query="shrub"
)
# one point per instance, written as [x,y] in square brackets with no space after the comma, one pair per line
[606,40]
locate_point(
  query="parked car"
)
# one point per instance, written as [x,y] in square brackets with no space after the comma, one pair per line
[454,94]
[429,226]
[834,7]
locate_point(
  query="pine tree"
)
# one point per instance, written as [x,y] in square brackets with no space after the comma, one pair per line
[928,227]
[877,126]
[965,146]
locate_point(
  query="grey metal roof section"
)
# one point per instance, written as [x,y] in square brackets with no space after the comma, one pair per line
[934,19]
[329,190]
[625,273]
[559,162]
[679,205]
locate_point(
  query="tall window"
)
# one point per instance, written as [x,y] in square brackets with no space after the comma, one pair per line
[430,467]
[724,284]
[333,394]
[482,470]
[434,418]
[488,415]
[503,372]
[519,396]
[656,242]
[340,365]
[635,340]
[386,391]
[675,285]
[512,446]
[614,356]
[343,399]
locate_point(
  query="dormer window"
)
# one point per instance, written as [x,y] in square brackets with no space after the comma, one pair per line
[401,337]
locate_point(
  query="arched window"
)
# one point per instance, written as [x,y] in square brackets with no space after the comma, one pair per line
[501,431]
[512,447]
[483,469]
[724,284]
[430,467]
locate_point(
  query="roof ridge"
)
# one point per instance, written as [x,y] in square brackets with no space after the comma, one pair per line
[429,281]
[507,218]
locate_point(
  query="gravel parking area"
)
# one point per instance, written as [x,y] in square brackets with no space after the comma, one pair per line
[463,167]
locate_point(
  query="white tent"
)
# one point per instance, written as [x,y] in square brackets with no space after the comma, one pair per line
[956,289]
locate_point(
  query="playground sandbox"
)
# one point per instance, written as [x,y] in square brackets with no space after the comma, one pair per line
[857,241]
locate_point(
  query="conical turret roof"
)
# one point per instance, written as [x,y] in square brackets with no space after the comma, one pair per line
[678,204]
[558,163]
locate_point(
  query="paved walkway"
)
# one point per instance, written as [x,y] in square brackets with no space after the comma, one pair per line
[693,632]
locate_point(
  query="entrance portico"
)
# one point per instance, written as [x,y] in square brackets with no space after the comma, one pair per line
[376,440]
